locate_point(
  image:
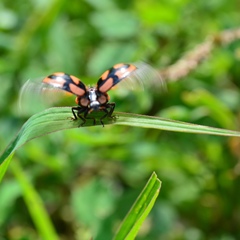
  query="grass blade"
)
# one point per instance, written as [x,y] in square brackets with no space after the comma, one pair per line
[136,120]
[140,210]
[4,166]
[56,119]
[35,205]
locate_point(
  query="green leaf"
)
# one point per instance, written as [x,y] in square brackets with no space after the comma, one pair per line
[56,119]
[35,205]
[136,120]
[4,166]
[140,210]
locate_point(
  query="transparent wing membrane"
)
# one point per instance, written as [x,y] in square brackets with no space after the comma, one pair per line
[144,77]
[36,96]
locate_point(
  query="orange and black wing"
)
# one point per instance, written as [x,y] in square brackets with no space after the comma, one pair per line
[114,75]
[57,89]
[66,82]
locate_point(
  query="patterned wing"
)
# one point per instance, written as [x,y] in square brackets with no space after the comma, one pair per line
[114,75]
[130,76]
[57,89]
[66,82]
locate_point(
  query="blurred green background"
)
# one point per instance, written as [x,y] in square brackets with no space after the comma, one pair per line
[89,177]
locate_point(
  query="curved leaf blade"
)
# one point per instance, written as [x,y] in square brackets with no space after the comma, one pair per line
[35,205]
[59,118]
[140,210]
[45,122]
[136,120]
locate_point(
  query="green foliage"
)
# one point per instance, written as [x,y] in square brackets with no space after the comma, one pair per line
[56,119]
[133,221]
[35,205]
[88,178]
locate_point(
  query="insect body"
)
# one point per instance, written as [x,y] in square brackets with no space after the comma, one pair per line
[91,98]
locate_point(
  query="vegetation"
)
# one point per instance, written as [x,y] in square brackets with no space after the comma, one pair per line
[80,183]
